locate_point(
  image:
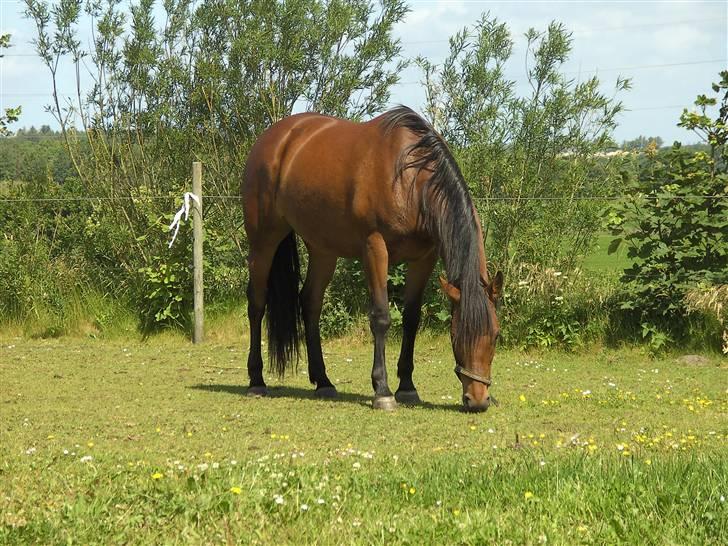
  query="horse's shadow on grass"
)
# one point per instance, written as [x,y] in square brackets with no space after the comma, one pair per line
[298,393]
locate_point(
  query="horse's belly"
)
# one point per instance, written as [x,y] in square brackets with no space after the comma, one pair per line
[323,222]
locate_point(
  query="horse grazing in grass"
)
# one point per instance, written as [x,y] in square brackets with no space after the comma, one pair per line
[384,191]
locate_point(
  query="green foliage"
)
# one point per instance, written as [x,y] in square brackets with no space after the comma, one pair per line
[515,150]
[196,81]
[675,228]
[642,143]
[543,308]
[166,300]
[34,156]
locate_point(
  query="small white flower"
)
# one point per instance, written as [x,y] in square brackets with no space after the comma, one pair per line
[86,459]
[30,451]
[202,467]
[542,463]
[356,466]
[233,462]
[304,507]
[491,431]
[586,392]
[279,499]
[320,501]
[65,452]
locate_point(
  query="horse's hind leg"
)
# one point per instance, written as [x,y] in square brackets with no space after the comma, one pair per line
[320,270]
[260,260]
[376,261]
[418,273]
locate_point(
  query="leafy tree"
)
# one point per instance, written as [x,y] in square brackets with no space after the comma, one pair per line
[199,82]
[676,225]
[530,159]
[642,143]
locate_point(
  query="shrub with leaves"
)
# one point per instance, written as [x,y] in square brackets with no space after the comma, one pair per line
[161,85]
[676,226]
[544,307]
[529,157]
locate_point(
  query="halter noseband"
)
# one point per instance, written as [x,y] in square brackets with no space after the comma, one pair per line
[459,370]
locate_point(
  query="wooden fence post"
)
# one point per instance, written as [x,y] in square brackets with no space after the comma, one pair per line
[197,234]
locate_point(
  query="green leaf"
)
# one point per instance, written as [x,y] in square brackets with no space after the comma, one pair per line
[614,245]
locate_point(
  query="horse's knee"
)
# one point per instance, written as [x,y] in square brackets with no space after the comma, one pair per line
[379,320]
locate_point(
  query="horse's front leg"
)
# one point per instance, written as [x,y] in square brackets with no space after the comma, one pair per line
[418,273]
[376,262]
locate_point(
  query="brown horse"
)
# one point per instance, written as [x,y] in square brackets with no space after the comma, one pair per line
[384,191]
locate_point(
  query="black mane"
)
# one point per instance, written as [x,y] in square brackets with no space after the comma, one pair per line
[448,214]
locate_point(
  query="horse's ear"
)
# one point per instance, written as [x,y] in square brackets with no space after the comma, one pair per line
[496,287]
[450,291]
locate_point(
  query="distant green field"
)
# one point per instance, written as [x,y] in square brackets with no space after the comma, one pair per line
[599,260]
[156,443]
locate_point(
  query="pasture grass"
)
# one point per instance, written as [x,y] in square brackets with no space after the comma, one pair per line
[598,259]
[126,442]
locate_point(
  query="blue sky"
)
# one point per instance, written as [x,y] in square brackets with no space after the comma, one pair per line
[672,51]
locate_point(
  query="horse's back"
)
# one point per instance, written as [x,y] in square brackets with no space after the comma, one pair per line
[331,180]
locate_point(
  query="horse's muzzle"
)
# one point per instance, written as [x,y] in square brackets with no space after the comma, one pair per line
[471,405]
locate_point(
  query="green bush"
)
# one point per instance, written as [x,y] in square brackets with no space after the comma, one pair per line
[544,307]
[676,230]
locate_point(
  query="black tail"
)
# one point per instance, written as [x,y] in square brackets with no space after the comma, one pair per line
[283,306]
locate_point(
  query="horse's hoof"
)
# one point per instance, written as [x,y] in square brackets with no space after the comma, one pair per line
[408,398]
[386,403]
[257,391]
[326,392]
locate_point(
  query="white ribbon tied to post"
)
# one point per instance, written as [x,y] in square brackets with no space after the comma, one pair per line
[184,210]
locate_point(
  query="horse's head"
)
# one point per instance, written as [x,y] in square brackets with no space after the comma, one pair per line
[474,358]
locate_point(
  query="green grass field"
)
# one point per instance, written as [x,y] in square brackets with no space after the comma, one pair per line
[109,442]
[600,260]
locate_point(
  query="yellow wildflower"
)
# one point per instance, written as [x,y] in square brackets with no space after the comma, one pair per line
[157,476]
[236,490]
